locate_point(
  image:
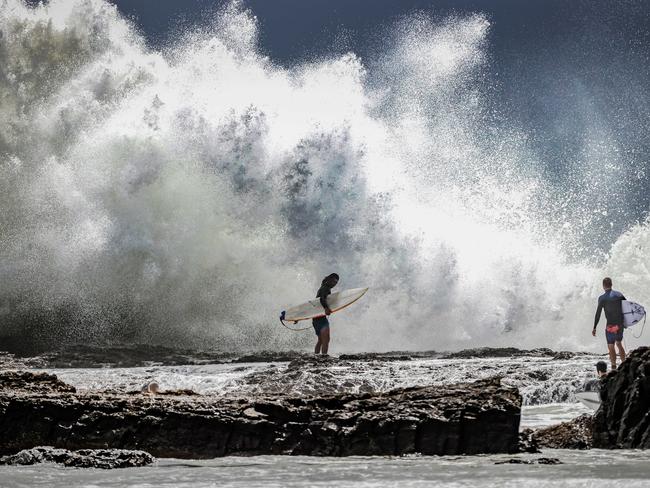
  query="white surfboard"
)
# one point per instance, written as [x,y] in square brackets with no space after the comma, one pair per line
[633,313]
[590,399]
[312,309]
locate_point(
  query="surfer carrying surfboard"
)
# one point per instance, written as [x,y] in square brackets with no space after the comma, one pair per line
[611,302]
[321,324]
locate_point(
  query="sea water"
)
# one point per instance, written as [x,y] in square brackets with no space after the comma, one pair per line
[593,469]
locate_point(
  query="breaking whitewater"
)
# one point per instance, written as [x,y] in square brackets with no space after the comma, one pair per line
[187,195]
[161,206]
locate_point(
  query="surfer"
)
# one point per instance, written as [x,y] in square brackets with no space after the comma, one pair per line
[594,384]
[601,369]
[321,324]
[610,301]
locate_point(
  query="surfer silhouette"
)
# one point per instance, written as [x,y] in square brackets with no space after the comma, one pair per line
[321,324]
[610,301]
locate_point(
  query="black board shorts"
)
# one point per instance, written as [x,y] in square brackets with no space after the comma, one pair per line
[319,324]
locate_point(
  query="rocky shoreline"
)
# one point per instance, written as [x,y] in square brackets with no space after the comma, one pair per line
[115,429]
[623,420]
[138,355]
[36,409]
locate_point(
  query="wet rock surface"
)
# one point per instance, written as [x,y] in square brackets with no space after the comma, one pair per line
[29,382]
[509,352]
[623,420]
[465,418]
[575,434]
[142,355]
[127,356]
[540,379]
[84,458]
[542,460]
[527,442]
[11,361]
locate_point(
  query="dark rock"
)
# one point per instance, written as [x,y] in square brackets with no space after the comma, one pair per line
[386,356]
[84,458]
[270,357]
[565,355]
[181,392]
[128,356]
[466,418]
[33,382]
[498,352]
[541,460]
[575,434]
[485,352]
[544,460]
[527,442]
[312,361]
[538,374]
[139,355]
[623,419]
[10,361]
[510,352]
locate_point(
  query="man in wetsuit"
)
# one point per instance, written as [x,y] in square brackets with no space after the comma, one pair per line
[610,301]
[321,324]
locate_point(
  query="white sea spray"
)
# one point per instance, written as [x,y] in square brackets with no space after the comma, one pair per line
[186,196]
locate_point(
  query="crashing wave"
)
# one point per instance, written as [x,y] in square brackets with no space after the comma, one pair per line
[186,196]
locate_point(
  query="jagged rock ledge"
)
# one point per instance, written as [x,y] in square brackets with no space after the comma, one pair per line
[510,352]
[623,419]
[541,460]
[574,434]
[138,355]
[470,418]
[84,458]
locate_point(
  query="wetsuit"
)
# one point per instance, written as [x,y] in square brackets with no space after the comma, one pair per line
[321,323]
[610,301]
[592,385]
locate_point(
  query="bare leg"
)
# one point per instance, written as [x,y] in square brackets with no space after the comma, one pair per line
[621,350]
[612,355]
[318,346]
[325,340]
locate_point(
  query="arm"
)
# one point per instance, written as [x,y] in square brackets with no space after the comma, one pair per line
[599,311]
[323,302]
